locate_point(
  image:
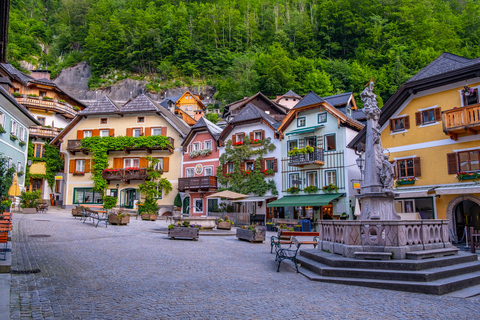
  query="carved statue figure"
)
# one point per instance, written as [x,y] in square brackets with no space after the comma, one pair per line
[370,102]
[386,175]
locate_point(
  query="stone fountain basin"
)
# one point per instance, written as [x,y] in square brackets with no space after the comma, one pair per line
[205,222]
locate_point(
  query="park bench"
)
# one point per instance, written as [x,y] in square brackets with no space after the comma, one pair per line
[288,253]
[94,215]
[284,237]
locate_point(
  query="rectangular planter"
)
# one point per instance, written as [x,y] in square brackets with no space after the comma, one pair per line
[150,217]
[405,182]
[468,178]
[183,232]
[29,210]
[251,235]
[224,225]
[113,219]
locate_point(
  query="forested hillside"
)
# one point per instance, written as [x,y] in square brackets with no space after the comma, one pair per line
[243,46]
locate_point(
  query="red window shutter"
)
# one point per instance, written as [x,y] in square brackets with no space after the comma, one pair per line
[418,118]
[234,139]
[252,136]
[129,132]
[87,166]
[96,133]
[416,167]
[164,131]
[143,162]
[407,122]
[111,132]
[166,164]
[275,165]
[394,169]
[148,131]
[391,125]
[242,167]
[79,134]
[71,167]
[452,163]
[117,163]
[263,135]
[438,114]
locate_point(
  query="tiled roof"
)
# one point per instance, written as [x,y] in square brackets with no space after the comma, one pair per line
[6,80]
[12,70]
[101,106]
[139,103]
[444,63]
[250,112]
[339,99]
[310,98]
[214,130]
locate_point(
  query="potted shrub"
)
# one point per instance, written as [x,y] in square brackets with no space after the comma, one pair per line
[252,233]
[119,218]
[224,223]
[177,203]
[293,190]
[330,188]
[310,189]
[29,201]
[184,230]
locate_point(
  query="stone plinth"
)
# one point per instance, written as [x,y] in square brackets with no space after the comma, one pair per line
[378,206]
[206,222]
[399,237]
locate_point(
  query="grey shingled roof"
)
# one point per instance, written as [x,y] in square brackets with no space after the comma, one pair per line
[214,130]
[6,80]
[251,112]
[290,93]
[444,63]
[19,74]
[310,98]
[338,99]
[101,106]
[138,104]
[24,110]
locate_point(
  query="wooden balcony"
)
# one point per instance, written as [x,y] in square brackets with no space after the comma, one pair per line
[149,150]
[197,183]
[42,132]
[461,121]
[125,175]
[316,157]
[49,105]
[75,146]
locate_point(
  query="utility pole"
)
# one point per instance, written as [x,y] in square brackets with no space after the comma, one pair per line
[4,13]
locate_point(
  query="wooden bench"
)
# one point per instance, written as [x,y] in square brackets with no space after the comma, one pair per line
[284,237]
[95,215]
[288,253]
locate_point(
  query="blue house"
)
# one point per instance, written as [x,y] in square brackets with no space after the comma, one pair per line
[14,123]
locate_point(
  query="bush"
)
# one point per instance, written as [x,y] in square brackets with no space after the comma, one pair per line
[30,199]
[109,202]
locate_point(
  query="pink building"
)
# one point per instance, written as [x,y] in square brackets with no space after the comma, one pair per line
[199,168]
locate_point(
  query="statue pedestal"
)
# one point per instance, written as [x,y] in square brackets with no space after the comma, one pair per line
[377,206]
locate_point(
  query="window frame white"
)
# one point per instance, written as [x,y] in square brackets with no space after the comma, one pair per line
[132,162]
[80,163]
[187,170]
[210,168]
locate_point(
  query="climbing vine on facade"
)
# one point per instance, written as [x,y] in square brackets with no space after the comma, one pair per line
[53,163]
[242,181]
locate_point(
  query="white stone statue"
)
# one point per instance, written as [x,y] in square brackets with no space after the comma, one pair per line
[387,175]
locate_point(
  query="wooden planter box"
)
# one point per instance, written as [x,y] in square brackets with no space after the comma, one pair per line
[183,232]
[405,182]
[467,178]
[150,217]
[29,210]
[224,225]
[113,219]
[250,235]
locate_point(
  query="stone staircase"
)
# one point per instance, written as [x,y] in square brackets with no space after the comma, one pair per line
[431,274]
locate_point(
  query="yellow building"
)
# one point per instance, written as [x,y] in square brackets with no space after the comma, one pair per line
[430,129]
[126,168]
[188,107]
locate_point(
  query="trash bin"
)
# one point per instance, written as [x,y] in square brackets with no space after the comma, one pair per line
[306,225]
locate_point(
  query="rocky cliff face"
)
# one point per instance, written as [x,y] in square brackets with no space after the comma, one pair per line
[74,81]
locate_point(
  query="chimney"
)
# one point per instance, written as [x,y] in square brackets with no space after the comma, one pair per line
[278,97]
[198,114]
[40,74]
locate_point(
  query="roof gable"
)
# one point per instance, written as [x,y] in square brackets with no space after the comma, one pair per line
[101,106]
[251,112]
[139,103]
[310,98]
[203,125]
[241,103]
[444,63]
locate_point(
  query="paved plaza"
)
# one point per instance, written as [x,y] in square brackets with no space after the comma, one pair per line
[65,269]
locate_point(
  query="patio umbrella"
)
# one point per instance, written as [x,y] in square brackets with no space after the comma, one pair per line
[227,194]
[14,190]
[357,208]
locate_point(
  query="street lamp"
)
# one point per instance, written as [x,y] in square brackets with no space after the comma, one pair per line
[360,162]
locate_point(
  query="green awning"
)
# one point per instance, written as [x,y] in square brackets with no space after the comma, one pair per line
[304,130]
[305,201]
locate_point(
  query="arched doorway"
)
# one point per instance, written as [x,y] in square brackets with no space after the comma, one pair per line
[186,205]
[466,214]
[128,197]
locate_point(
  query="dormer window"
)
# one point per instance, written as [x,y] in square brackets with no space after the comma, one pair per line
[349,111]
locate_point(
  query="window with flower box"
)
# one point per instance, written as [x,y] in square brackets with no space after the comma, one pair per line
[131,162]
[330,177]
[237,139]
[312,179]
[409,167]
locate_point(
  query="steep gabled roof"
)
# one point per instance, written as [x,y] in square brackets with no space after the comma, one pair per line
[446,69]
[241,103]
[309,99]
[138,104]
[101,106]
[251,112]
[290,93]
[339,100]
[201,125]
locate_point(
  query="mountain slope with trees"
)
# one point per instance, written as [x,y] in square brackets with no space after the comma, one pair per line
[245,46]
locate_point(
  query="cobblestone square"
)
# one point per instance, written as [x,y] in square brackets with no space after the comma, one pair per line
[136,272]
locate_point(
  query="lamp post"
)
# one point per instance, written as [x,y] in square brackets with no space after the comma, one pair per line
[360,162]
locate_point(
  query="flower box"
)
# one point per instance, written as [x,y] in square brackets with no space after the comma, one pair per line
[21,143]
[149,217]
[184,232]
[114,219]
[78,173]
[251,235]
[13,138]
[401,182]
[224,225]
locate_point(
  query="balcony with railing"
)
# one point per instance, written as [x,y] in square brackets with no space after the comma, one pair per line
[42,132]
[75,146]
[125,174]
[461,121]
[317,156]
[47,104]
[197,183]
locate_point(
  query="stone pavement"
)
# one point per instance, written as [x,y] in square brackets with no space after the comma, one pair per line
[65,269]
